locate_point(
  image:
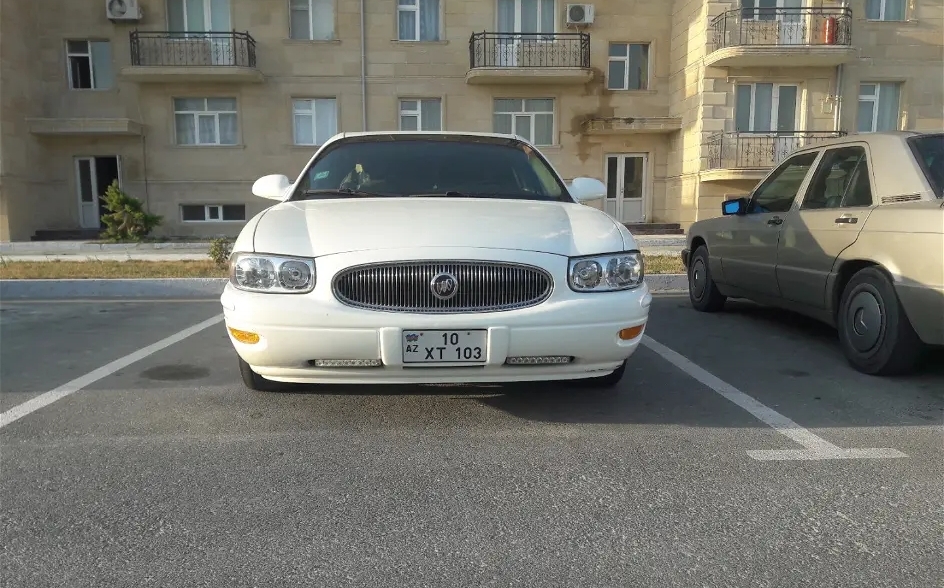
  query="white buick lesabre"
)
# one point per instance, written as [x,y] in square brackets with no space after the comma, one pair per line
[411,257]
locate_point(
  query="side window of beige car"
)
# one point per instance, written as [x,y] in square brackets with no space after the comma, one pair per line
[780,189]
[840,181]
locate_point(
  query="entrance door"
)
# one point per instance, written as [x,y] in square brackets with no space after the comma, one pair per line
[626,182]
[521,16]
[196,18]
[767,114]
[93,175]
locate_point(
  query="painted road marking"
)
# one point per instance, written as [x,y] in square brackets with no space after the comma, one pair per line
[815,447]
[45,399]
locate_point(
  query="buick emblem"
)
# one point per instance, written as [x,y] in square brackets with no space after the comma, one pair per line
[444,286]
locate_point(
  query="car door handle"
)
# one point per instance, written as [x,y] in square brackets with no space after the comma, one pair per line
[847,220]
[775,221]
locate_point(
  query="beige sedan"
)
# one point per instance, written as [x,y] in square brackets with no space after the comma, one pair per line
[850,232]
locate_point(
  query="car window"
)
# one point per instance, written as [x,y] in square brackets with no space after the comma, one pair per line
[439,166]
[841,180]
[780,189]
[929,151]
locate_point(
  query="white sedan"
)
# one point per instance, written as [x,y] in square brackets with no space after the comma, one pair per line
[411,257]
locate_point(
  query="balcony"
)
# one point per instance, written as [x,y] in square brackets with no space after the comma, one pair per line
[192,57]
[781,37]
[529,58]
[750,155]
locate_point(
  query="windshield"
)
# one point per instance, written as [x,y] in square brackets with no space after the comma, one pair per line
[929,151]
[431,166]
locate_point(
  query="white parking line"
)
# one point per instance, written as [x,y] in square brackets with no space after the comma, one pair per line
[21,410]
[815,447]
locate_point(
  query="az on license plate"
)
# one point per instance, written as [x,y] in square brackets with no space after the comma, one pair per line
[445,346]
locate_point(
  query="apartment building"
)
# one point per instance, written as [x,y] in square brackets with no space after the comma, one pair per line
[674,104]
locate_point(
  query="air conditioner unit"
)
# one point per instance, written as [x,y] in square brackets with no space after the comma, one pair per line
[579,14]
[123,10]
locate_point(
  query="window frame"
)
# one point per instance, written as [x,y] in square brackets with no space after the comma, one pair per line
[309,7]
[774,124]
[206,212]
[418,113]
[883,7]
[313,114]
[875,99]
[822,170]
[196,118]
[417,9]
[93,79]
[625,59]
[775,174]
[531,114]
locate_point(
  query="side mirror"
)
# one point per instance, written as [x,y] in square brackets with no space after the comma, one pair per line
[735,206]
[272,186]
[587,189]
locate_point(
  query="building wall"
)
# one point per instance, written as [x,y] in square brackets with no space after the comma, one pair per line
[37,174]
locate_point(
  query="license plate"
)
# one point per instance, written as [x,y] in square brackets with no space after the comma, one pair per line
[431,347]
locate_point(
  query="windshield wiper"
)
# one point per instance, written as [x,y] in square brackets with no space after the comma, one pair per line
[454,194]
[345,192]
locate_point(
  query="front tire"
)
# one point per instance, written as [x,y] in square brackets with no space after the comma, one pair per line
[254,381]
[876,336]
[702,290]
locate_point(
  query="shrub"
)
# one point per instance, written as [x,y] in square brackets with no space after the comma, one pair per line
[220,250]
[126,219]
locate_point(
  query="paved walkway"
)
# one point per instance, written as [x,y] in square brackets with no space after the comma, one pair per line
[178,251]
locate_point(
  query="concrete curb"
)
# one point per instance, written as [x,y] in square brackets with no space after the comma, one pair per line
[194,288]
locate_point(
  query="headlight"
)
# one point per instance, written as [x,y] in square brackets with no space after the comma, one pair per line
[606,273]
[258,272]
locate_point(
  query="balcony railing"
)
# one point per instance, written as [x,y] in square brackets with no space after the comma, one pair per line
[192,49]
[781,27]
[759,150]
[529,50]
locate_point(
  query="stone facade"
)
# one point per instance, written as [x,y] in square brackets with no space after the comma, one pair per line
[689,95]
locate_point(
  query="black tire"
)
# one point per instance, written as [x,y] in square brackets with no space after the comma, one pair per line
[606,382]
[702,291]
[254,381]
[876,336]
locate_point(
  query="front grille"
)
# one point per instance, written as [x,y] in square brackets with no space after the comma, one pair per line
[406,286]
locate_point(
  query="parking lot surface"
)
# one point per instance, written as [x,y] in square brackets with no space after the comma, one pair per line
[739,450]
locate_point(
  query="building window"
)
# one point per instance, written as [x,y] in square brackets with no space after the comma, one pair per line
[526,16]
[421,114]
[89,64]
[212,213]
[205,121]
[315,120]
[532,119]
[885,9]
[879,104]
[311,20]
[765,107]
[628,66]
[418,20]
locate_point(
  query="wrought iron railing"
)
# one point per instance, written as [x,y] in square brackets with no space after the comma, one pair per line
[529,50]
[759,150]
[170,48]
[772,27]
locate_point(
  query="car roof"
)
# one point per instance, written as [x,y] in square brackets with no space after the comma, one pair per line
[878,140]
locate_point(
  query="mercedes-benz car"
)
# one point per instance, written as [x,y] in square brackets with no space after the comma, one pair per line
[850,232]
[414,257]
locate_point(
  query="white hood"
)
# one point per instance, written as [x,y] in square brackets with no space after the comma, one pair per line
[312,228]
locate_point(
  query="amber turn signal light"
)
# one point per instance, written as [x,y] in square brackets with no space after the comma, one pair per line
[630,332]
[244,336]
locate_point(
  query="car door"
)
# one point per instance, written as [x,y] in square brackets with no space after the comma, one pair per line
[749,259]
[830,216]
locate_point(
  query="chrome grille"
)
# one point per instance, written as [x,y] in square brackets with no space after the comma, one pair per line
[405,286]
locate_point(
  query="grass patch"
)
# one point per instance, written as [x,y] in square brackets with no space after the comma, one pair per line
[61,270]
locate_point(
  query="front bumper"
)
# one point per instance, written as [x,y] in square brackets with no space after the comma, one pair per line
[295,330]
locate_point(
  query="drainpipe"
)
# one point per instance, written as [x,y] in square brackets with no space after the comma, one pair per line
[837,114]
[363,70]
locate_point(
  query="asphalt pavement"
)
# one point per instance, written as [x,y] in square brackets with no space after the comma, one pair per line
[739,450]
